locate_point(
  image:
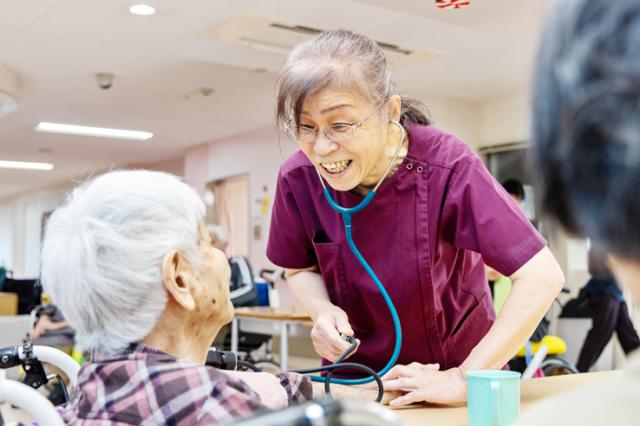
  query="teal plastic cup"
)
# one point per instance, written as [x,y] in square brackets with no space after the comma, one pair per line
[493,397]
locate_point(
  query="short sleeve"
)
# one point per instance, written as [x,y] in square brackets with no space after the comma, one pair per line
[479,215]
[289,246]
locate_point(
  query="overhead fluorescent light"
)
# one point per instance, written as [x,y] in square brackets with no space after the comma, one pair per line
[102,132]
[25,165]
[142,9]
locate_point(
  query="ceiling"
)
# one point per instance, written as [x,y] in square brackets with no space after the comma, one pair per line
[162,62]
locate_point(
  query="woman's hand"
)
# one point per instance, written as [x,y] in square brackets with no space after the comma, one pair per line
[426,382]
[329,321]
[325,335]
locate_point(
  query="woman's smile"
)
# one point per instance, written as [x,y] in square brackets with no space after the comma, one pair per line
[336,166]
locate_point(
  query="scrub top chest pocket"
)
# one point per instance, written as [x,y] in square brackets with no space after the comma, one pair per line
[331,263]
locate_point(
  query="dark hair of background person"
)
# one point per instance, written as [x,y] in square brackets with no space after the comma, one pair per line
[514,187]
[586,122]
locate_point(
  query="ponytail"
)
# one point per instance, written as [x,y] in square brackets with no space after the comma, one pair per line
[413,111]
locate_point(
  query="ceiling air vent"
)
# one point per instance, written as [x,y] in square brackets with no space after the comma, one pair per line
[267,35]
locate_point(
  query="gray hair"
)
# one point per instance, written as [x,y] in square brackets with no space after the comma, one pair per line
[103,251]
[344,60]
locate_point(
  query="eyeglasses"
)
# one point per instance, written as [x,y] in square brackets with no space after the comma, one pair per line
[339,132]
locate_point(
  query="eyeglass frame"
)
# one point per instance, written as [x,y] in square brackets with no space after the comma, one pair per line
[352,128]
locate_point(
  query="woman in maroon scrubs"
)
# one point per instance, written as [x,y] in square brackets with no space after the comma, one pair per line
[433,220]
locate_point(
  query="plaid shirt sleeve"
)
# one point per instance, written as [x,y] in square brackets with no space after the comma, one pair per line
[233,398]
[297,386]
[229,399]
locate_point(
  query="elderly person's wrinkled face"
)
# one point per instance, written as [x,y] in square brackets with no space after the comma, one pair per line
[213,276]
[198,304]
[199,293]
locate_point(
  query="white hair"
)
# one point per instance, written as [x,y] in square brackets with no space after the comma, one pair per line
[103,251]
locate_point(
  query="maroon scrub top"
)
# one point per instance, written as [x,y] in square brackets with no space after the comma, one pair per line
[425,234]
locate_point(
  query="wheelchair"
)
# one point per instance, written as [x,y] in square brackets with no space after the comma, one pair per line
[543,354]
[253,348]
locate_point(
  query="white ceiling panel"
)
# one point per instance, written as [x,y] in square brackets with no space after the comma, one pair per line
[162,62]
[19,15]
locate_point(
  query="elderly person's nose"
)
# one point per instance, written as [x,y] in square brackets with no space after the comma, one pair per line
[323,145]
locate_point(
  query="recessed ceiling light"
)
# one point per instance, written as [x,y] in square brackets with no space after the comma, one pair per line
[101,132]
[142,9]
[25,165]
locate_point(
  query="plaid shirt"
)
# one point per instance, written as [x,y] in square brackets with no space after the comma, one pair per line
[143,386]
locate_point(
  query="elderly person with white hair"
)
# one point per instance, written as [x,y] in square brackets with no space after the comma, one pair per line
[129,262]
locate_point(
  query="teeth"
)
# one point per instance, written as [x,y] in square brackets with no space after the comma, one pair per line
[336,167]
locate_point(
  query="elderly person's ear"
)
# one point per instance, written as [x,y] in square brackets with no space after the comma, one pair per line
[178,279]
[395,105]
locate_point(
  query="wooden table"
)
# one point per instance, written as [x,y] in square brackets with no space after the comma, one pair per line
[266,320]
[532,391]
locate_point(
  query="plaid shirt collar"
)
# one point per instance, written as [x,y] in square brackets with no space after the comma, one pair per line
[132,352]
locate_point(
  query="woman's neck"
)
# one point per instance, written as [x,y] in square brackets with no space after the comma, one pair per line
[390,150]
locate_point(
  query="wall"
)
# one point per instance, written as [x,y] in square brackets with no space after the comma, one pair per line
[459,117]
[174,166]
[259,154]
[25,226]
[505,120]
[6,237]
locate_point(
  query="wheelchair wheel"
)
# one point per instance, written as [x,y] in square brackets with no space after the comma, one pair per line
[557,366]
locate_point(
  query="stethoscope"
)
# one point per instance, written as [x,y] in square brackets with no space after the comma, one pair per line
[346,219]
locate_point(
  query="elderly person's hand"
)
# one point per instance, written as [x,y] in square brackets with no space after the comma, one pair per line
[426,382]
[266,385]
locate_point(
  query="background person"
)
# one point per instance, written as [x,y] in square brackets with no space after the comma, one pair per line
[609,313]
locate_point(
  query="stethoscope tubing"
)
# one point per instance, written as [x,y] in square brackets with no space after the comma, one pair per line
[346,214]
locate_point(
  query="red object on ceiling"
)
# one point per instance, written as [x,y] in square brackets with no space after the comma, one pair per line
[456,4]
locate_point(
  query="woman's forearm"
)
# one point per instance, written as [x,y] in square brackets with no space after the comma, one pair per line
[309,290]
[535,286]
